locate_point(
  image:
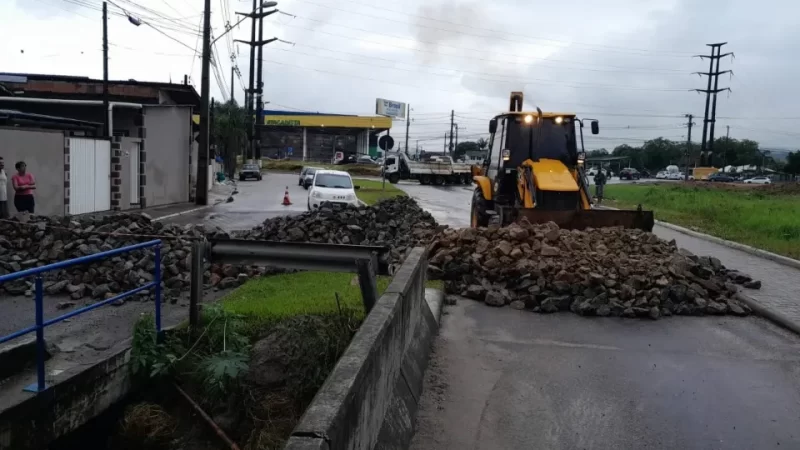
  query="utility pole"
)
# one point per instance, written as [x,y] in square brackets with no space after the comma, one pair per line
[408,123]
[707,143]
[201,190]
[249,103]
[259,88]
[107,131]
[444,144]
[254,105]
[452,116]
[417,151]
[233,69]
[456,135]
[728,133]
[688,147]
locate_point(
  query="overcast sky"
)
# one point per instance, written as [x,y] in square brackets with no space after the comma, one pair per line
[628,63]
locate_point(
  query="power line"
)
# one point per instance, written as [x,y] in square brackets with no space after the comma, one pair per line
[516,40]
[529,81]
[518,59]
[395,61]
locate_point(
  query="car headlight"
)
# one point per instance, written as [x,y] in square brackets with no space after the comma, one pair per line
[350,197]
[316,194]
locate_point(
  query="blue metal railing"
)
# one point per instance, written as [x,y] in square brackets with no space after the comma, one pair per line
[39,299]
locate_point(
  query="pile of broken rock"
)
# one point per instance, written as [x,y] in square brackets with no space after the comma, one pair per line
[398,223]
[602,272]
[39,240]
[33,241]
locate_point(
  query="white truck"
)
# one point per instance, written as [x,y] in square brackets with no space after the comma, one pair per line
[437,170]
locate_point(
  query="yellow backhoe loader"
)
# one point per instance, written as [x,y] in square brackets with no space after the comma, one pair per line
[534,170]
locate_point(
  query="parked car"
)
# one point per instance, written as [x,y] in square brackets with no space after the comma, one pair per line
[758,180]
[721,177]
[645,174]
[662,175]
[250,171]
[334,186]
[675,176]
[629,174]
[307,176]
[365,160]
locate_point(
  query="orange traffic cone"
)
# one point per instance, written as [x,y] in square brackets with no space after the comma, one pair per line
[286,201]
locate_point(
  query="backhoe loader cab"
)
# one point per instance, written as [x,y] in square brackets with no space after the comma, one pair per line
[535,170]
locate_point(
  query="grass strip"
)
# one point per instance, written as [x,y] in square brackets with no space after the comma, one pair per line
[372,191]
[769,220]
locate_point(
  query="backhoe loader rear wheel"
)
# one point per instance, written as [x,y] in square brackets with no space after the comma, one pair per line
[478,216]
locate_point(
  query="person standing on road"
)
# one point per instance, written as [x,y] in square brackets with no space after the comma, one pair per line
[3,190]
[24,185]
[599,183]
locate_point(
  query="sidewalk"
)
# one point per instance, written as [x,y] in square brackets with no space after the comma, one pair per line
[218,194]
[780,289]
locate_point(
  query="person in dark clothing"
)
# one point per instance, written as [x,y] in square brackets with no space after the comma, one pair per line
[599,183]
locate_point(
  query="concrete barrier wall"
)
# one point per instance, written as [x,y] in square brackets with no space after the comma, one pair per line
[80,395]
[370,399]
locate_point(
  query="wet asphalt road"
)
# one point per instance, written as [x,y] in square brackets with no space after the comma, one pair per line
[255,202]
[507,379]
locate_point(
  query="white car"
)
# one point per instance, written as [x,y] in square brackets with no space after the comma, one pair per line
[661,175]
[758,180]
[674,176]
[334,186]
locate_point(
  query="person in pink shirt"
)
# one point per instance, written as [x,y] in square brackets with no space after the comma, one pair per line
[24,185]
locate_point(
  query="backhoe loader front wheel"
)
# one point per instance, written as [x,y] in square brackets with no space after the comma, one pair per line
[478,215]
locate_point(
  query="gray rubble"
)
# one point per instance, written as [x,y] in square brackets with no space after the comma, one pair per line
[596,272]
[39,240]
[398,223]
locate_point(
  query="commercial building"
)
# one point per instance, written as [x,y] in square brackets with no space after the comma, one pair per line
[317,137]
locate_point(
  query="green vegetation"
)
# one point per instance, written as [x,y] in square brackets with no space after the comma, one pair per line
[293,321]
[372,191]
[766,218]
[656,154]
[295,166]
[288,295]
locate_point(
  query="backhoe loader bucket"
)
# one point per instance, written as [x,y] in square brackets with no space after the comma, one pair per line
[590,218]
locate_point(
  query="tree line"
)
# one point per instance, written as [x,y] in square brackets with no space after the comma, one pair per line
[657,154]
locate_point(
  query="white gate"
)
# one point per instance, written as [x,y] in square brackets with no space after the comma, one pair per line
[89,175]
[134,161]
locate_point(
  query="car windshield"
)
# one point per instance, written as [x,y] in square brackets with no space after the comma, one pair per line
[250,167]
[330,180]
[311,171]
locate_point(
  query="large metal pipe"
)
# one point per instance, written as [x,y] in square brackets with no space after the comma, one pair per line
[62,101]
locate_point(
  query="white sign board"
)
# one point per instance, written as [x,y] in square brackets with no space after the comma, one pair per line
[390,108]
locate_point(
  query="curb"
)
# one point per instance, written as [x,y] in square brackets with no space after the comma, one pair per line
[199,208]
[785,260]
[770,314]
[780,259]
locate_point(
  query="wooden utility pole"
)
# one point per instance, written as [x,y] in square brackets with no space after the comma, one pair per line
[688,147]
[107,131]
[452,116]
[201,189]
